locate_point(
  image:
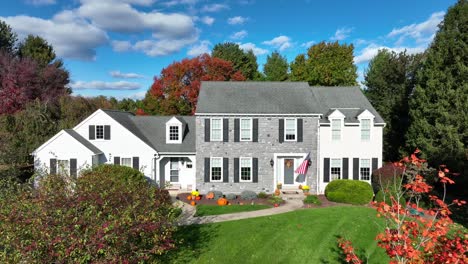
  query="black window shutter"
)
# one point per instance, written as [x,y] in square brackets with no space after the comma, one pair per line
[207,169]
[225,170]
[299,130]
[107,132]
[345,168]
[53,166]
[281,131]
[255,130]
[355,168]
[375,162]
[326,170]
[136,163]
[225,130]
[92,132]
[73,168]
[255,170]
[236,169]
[236,130]
[117,160]
[207,130]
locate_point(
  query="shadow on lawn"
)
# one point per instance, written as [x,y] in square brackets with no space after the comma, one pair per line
[191,241]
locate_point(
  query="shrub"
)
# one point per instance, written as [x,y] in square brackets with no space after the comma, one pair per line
[123,173]
[231,196]
[274,199]
[312,199]
[262,195]
[101,217]
[248,195]
[216,194]
[385,176]
[349,191]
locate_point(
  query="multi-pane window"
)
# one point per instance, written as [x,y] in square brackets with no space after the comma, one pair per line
[173,133]
[336,129]
[174,170]
[245,169]
[365,129]
[99,132]
[290,129]
[63,167]
[246,129]
[126,162]
[364,169]
[216,169]
[216,129]
[335,169]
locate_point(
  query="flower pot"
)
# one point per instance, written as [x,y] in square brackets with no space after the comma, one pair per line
[276,205]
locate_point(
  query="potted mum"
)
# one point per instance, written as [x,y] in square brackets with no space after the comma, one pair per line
[195,195]
[305,189]
[279,185]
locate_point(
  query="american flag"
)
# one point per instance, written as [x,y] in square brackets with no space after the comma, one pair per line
[302,169]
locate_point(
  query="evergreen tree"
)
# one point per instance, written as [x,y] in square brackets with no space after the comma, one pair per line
[438,107]
[299,68]
[245,62]
[8,38]
[38,49]
[276,67]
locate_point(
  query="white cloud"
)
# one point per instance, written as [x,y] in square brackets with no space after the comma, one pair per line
[119,74]
[422,32]
[100,85]
[179,2]
[207,20]
[307,44]
[371,50]
[163,47]
[280,42]
[237,20]
[239,35]
[201,48]
[342,33]
[251,46]
[121,45]
[40,2]
[136,96]
[70,35]
[214,7]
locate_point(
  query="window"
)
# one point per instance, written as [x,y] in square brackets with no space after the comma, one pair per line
[246,129]
[365,129]
[335,169]
[216,169]
[245,169]
[336,129]
[63,167]
[216,129]
[290,129]
[174,170]
[173,133]
[99,132]
[364,170]
[126,162]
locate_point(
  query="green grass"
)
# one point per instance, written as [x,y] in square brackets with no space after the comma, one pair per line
[203,210]
[303,236]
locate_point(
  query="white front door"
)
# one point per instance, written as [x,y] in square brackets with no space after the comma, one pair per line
[285,171]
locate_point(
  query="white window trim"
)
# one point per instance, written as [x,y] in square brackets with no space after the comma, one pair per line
[341,168]
[370,169]
[370,129]
[131,161]
[295,130]
[240,169]
[240,129]
[211,171]
[341,128]
[211,129]
[168,129]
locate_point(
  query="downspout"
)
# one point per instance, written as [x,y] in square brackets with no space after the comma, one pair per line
[318,155]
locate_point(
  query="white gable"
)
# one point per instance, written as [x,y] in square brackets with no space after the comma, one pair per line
[174,137]
[336,115]
[62,142]
[366,114]
[174,121]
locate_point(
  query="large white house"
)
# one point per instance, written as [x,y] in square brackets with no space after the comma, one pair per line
[244,136]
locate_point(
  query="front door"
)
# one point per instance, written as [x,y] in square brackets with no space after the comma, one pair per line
[174,170]
[288,171]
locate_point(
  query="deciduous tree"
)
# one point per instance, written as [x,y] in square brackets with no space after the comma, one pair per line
[298,68]
[276,67]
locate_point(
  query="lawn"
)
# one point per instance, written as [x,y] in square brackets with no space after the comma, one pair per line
[303,236]
[203,210]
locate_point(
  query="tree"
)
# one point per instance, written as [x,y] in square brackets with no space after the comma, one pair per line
[8,38]
[245,62]
[175,91]
[438,106]
[276,67]
[38,49]
[298,68]
[390,80]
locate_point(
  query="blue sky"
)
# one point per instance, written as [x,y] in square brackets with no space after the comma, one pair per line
[116,47]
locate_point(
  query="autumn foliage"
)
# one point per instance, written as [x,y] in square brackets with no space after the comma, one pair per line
[176,90]
[413,234]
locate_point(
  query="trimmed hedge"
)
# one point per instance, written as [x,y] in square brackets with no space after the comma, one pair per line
[349,191]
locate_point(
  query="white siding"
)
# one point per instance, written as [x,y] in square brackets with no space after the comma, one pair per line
[186,175]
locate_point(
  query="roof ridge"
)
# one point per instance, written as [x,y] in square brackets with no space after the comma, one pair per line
[116,111]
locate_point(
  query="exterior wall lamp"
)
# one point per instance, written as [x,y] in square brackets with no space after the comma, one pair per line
[272,162]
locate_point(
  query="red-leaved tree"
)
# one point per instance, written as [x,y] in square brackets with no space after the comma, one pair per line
[413,234]
[176,90]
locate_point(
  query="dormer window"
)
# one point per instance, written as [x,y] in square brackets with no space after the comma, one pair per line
[365,129]
[174,131]
[336,129]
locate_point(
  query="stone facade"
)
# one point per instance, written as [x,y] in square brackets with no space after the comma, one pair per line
[265,149]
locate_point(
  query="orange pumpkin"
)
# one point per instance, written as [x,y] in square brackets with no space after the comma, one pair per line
[193,203]
[189,197]
[210,195]
[197,198]
[222,201]
[277,192]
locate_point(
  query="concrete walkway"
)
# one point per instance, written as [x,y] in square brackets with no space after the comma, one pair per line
[187,217]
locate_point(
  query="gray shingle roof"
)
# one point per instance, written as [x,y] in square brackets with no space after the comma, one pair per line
[83,141]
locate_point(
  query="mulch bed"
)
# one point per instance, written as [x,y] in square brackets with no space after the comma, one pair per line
[183,197]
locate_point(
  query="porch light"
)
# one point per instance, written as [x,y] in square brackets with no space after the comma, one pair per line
[272,162]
